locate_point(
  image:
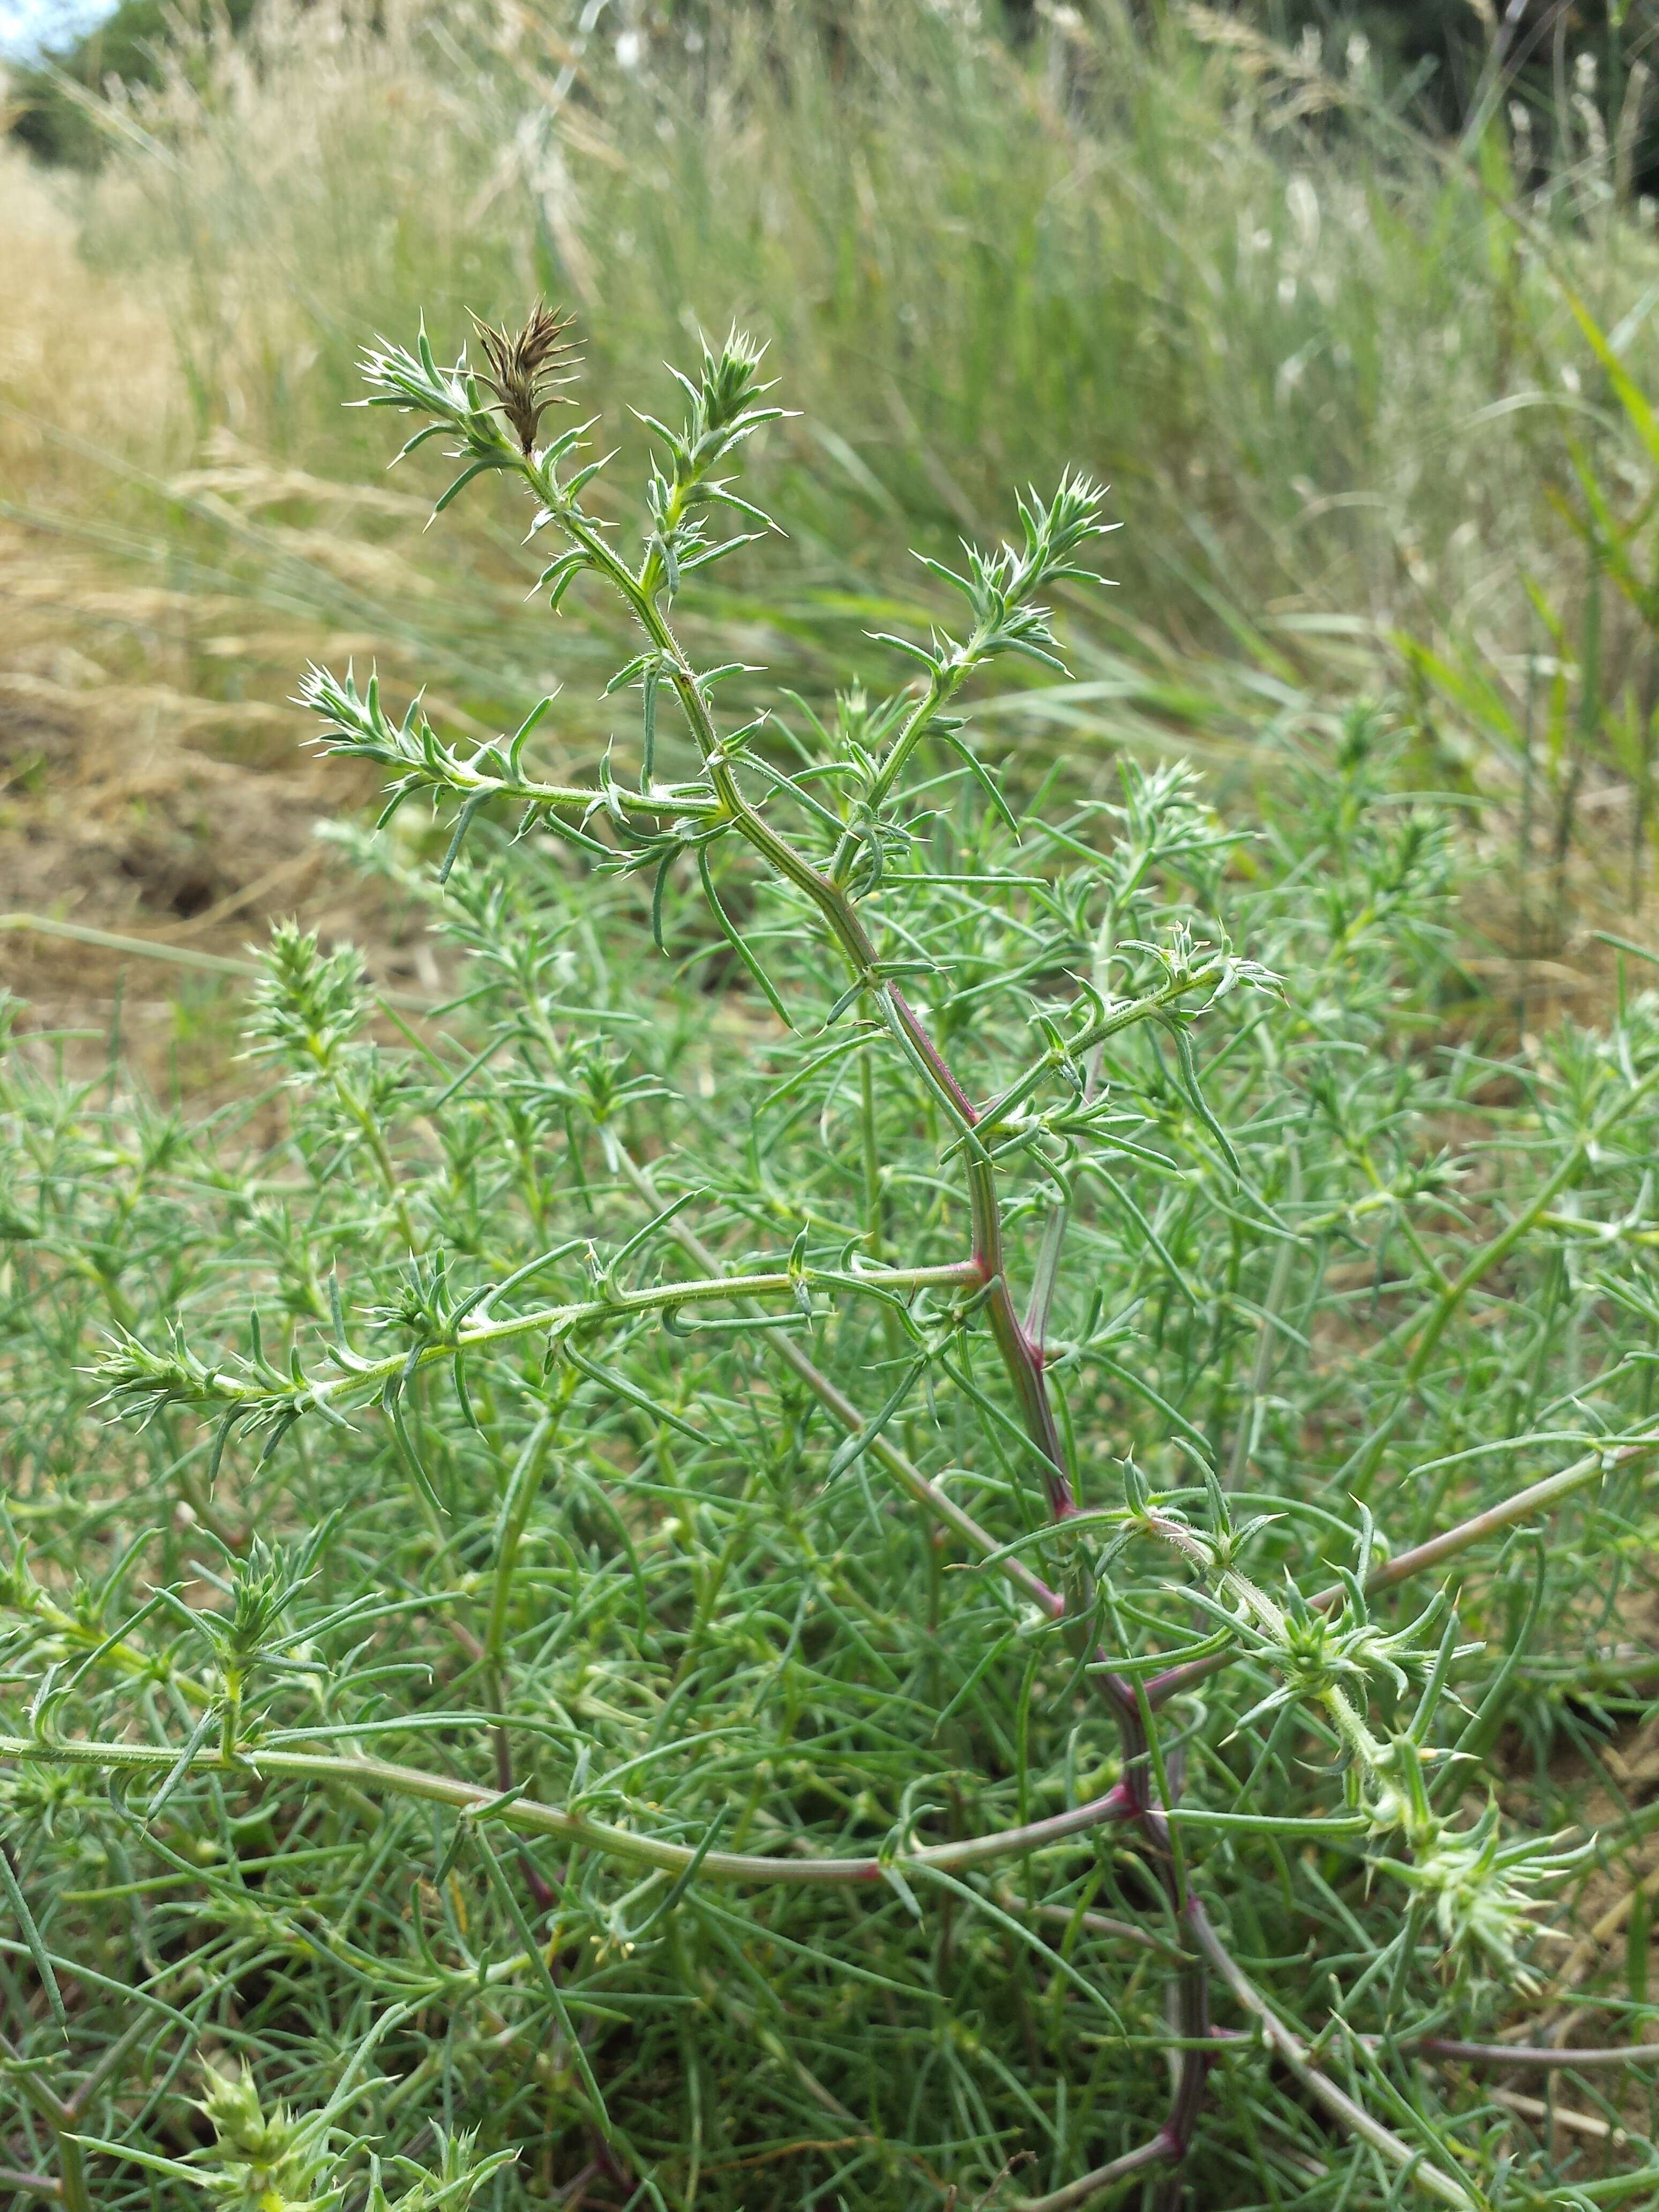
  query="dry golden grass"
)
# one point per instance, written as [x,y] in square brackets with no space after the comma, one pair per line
[83,355]
[1319,376]
[133,799]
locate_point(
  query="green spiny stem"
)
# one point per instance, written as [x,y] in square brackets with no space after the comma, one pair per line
[1021,1357]
[558,1321]
[940,689]
[939,692]
[525,1816]
[113,1651]
[526,790]
[230,1723]
[1111,1022]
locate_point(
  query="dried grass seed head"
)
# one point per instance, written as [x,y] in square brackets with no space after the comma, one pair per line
[528,366]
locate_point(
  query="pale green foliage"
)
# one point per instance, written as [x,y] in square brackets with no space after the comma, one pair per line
[863,1390]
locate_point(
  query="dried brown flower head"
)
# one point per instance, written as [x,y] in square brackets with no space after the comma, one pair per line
[527,366]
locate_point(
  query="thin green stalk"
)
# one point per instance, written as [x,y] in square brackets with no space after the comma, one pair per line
[70,2187]
[1428,1332]
[910,1478]
[1508,1513]
[364,1378]
[525,1816]
[516,1501]
[1020,1357]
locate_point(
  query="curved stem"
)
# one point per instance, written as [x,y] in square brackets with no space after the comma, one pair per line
[527,1816]
[1292,2053]
[366,1377]
[1158,2151]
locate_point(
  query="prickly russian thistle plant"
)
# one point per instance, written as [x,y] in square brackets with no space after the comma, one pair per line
[746,1507]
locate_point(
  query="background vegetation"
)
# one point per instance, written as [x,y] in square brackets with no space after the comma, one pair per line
[1343,378]
[1367,373]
